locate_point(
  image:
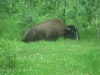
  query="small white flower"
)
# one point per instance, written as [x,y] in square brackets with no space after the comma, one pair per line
[84,66]
[30,69]
[41,57]
[24,69]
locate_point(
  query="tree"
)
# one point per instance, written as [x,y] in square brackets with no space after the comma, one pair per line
[64,11]
[96,16]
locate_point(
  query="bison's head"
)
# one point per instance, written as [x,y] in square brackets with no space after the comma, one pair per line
[71,32]
[30,35]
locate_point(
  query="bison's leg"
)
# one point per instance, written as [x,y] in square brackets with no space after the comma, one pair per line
[51,39]
[40,36]
[52,36]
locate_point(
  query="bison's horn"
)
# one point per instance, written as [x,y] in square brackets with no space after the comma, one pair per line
[67,28]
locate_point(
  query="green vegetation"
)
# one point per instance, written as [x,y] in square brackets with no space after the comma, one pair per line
[62,57]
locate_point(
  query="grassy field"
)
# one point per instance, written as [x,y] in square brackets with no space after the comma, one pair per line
[63,57]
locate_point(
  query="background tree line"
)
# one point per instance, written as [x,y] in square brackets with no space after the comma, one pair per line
[16,16]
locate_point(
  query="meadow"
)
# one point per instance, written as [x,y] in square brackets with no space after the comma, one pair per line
[62,57]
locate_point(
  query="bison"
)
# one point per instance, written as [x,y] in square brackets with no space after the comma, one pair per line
[50,30]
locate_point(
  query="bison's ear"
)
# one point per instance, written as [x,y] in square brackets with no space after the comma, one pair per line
[68,28]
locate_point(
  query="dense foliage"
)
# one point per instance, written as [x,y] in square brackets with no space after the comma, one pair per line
[27,13]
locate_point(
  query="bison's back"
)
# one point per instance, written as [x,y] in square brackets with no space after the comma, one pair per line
[49,30]
[50,26]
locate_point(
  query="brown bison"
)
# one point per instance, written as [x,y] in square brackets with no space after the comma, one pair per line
[50,30]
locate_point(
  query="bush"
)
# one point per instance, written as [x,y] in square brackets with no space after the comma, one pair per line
[10,29]
[8,54]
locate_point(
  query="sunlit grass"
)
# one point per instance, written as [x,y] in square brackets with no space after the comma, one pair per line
[63,57]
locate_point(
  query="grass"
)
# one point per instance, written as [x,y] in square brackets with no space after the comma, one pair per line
[63,57]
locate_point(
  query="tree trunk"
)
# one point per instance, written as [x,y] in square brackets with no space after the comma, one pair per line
[96,16]
[56,9]
[29,5]
[64,14]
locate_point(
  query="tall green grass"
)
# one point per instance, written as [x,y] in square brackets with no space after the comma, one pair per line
[12,28]
[63,57]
